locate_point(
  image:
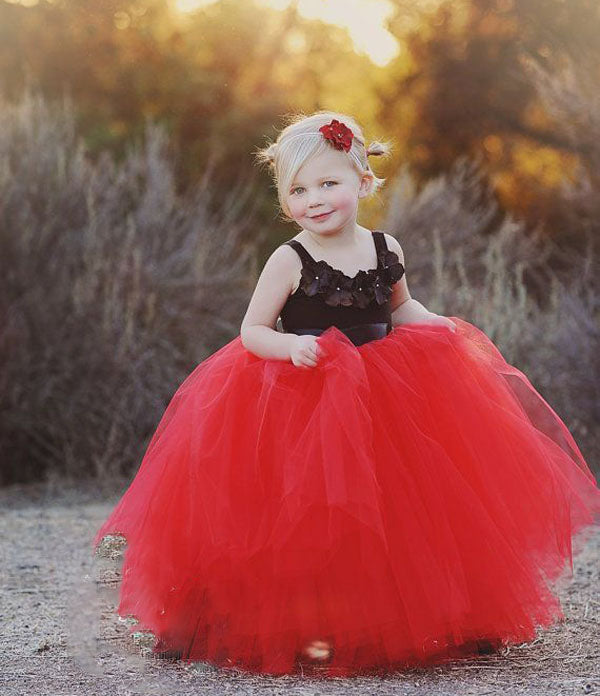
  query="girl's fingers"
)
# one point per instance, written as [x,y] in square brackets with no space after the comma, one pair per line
[311,361]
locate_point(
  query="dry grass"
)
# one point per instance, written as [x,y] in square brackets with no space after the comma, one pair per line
[112,287]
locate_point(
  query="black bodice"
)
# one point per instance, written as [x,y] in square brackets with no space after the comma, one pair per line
[358,305]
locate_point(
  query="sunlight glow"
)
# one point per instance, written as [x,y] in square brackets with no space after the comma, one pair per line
[364,20]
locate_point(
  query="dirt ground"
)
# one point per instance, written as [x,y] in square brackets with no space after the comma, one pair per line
[60,637]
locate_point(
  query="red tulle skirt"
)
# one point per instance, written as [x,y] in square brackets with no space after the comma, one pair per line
[390,507]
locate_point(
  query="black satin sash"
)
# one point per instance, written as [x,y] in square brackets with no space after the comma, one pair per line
[358,334]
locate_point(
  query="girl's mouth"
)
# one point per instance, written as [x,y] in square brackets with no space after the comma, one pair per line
[321,217]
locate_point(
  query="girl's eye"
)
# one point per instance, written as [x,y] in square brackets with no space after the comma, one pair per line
[325,182]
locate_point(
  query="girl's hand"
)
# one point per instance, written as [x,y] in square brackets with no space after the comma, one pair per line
[305,350]
[440,320]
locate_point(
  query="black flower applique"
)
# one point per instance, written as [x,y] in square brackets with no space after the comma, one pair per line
[380,287]
[322,279]
[382,279]
[387,257]
[339,289]
[317,278]
[362,289]
[394,270]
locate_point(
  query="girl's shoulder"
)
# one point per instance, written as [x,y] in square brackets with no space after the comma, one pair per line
[283,255]
[394,245]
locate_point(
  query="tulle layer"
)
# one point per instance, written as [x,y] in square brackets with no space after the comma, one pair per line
[389,507]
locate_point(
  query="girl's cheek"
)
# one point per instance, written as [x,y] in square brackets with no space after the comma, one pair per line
[296,209]
[345,200]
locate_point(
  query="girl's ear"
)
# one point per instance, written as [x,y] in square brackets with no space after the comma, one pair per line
[365,184]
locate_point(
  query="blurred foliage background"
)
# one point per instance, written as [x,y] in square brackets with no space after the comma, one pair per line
[134,221]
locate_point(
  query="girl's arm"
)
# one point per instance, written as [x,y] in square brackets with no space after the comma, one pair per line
[257,331]
[405,309]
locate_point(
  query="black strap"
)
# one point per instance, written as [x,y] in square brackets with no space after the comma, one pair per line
[305,257]
[380,244]
[358,334]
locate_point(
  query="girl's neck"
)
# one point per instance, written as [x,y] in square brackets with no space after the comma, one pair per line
[335,240]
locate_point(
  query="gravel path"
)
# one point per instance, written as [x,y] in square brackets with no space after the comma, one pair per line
[60,637]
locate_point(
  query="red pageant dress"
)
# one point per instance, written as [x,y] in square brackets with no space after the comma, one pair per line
[407,500]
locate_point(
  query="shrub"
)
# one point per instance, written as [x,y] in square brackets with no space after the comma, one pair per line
[112,287]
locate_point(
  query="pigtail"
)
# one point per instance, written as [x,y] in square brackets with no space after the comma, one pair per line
[378,149]
[266,155]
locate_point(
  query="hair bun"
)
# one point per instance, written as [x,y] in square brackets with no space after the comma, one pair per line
[377,148]
[270,152]
[266,155]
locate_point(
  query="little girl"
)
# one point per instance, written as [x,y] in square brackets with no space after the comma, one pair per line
[372,488]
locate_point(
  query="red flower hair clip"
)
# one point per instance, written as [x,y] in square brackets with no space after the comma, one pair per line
[338,134]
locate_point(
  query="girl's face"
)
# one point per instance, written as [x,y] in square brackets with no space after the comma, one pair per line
[324,194]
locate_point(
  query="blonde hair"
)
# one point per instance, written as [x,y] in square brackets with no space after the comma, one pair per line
[300,140]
